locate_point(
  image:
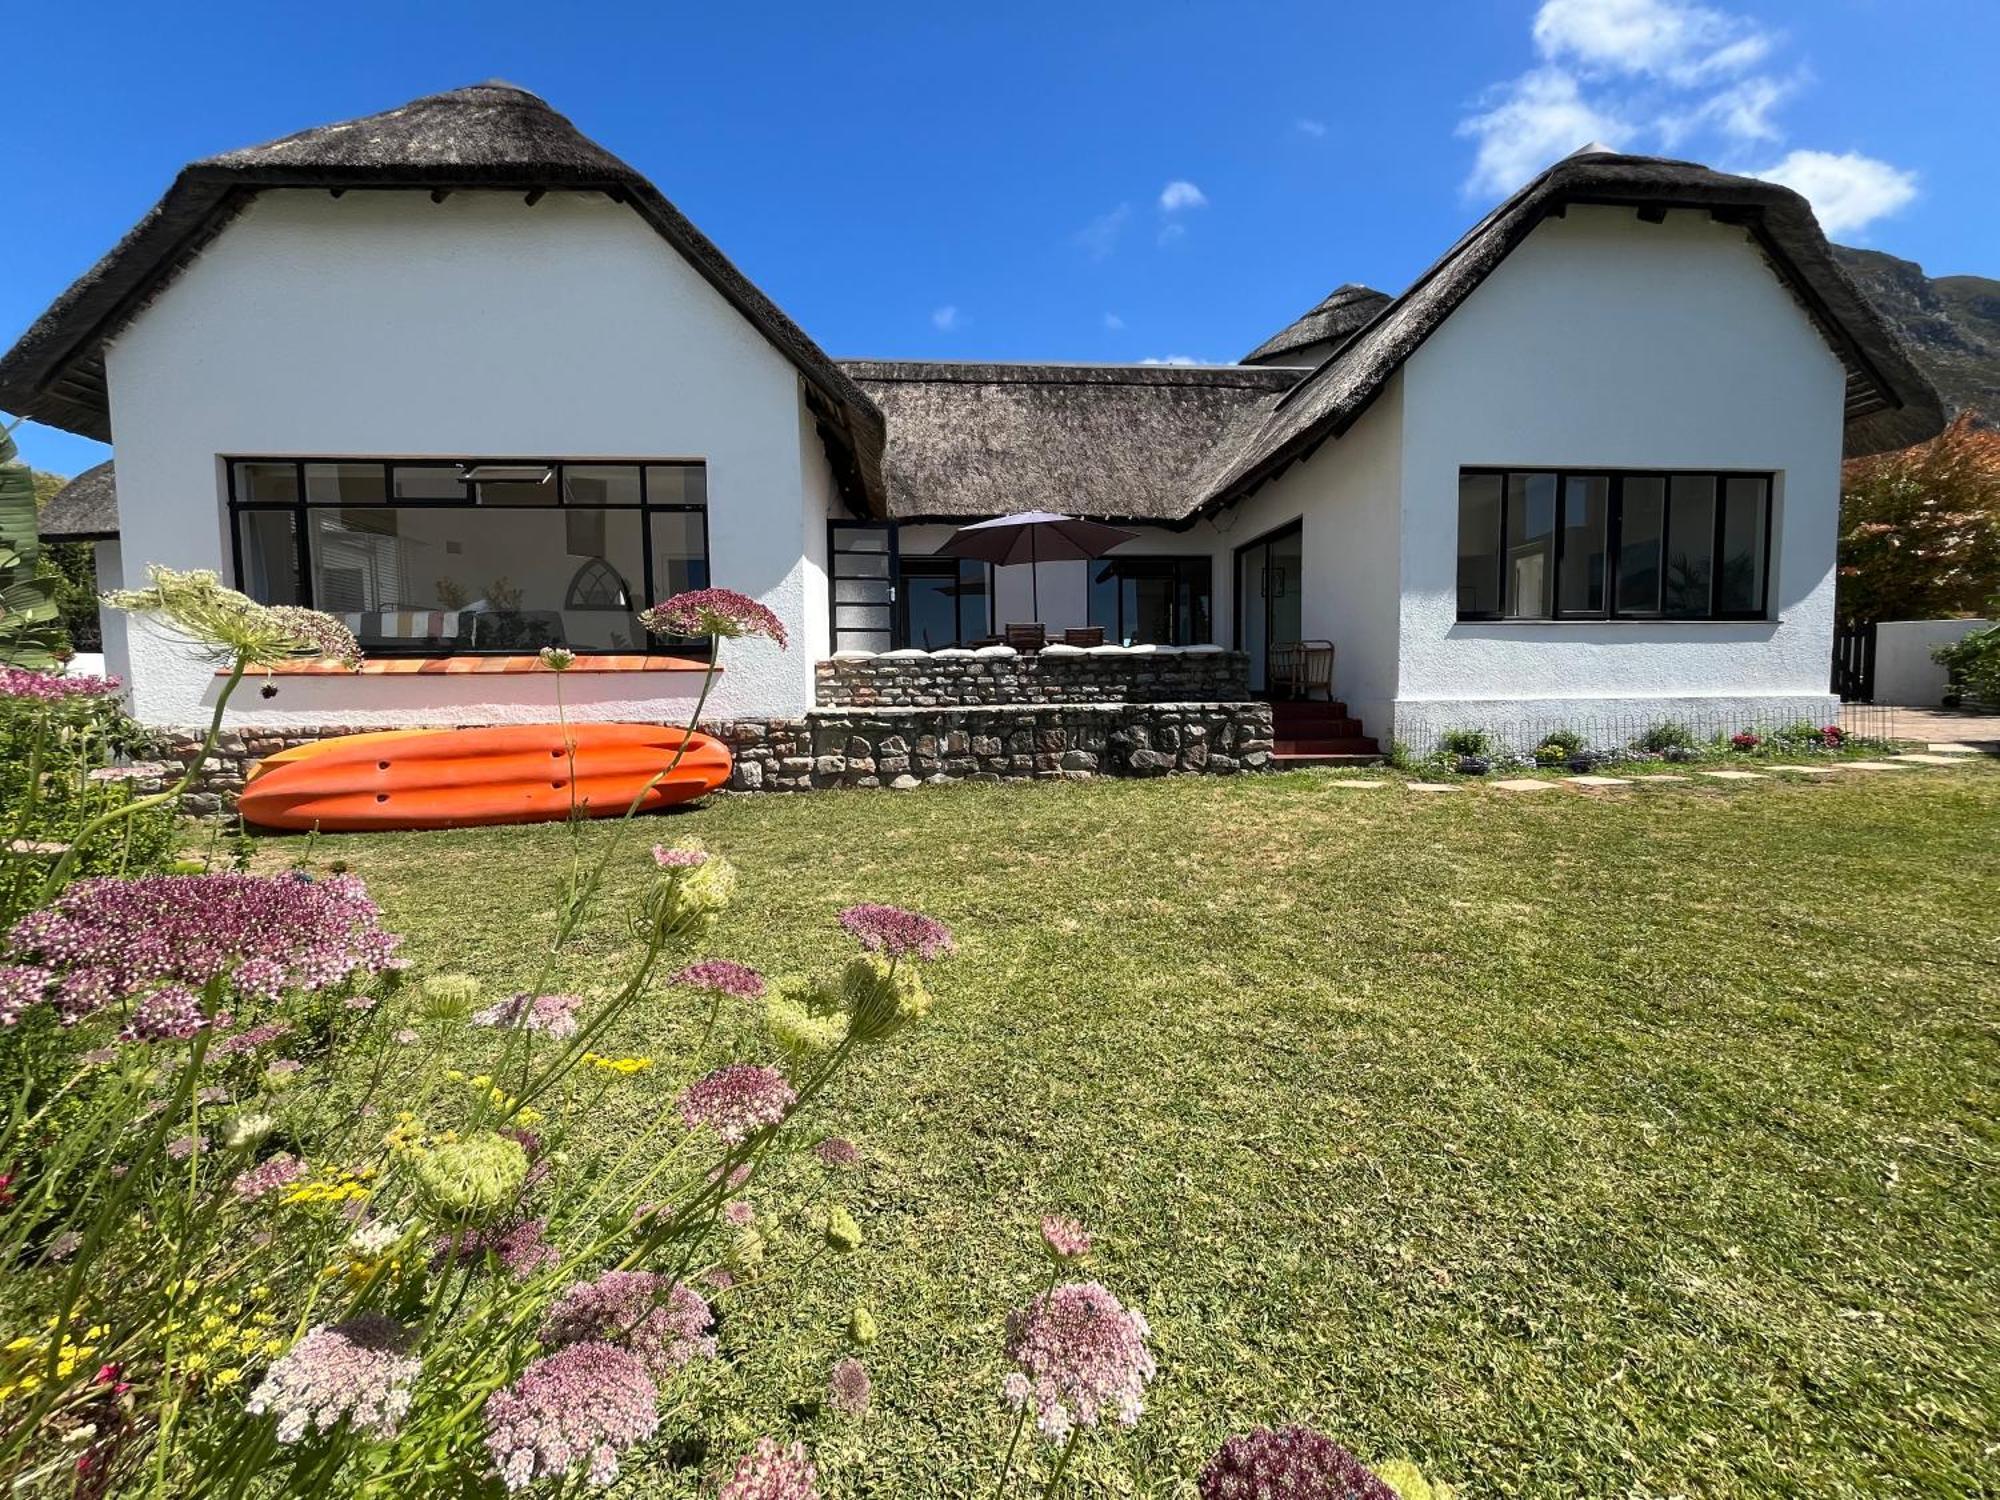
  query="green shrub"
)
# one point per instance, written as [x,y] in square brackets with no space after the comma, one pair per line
[1466,742]
[1974,664]
[1671,735]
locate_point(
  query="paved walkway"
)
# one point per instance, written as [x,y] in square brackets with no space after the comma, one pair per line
[1940,753]
[1933,726]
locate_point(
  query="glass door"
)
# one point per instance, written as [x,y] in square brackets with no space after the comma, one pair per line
[943,602]
[1270,597]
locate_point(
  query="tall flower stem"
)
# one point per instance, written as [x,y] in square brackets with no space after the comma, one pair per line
[1007,1463]
[1062,1464]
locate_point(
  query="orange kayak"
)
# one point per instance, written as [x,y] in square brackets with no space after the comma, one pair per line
[466,778]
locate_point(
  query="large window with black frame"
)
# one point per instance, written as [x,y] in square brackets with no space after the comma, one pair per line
[1596,544]
[473,555]
[1155,601]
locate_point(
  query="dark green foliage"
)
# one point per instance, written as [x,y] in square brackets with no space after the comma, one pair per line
[31,633]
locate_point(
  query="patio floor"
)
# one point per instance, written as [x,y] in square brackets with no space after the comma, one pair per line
[1936,726]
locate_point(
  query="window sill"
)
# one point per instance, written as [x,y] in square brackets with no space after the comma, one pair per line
[1623,621]
[454,666]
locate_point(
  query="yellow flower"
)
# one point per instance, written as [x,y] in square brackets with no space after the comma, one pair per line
[624,1066]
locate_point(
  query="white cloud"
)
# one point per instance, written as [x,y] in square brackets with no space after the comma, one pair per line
[1664,76]
[945,318]
[1181,194]
[1114,323]
[1100,236]
[1848,191]
[1314,128]
[1537,118]
[1685,44]
[1170,232]
[1172,359]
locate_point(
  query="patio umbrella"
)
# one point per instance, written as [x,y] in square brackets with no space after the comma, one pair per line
[1030,538]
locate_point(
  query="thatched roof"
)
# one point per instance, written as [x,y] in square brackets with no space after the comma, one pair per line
[1116,442]
[490,136]
[84,510]
[1889,404]
[1334,320]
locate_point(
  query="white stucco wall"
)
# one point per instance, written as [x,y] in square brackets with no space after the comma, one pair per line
[1606,341]
[1904,671]
[384,325]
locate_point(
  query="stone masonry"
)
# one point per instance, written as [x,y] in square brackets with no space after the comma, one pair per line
[998,676]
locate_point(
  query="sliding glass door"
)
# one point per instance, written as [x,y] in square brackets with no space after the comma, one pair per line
[1270,597]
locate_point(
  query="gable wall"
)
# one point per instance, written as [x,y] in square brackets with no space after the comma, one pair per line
[1606,341]
[381,324]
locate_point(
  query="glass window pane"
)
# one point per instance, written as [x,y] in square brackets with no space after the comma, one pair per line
[1199,574]
[680,563]
[1745,509]
[429,578]
[1690,543]
[1586,513]
[1102,607]
[1641,514]
[1531,523]
[429,482]
[345,484]
[269,483]
[678,484]
[1479,544]
[497,492]
[600,484]
[930,606]
[974,613]
[270,556]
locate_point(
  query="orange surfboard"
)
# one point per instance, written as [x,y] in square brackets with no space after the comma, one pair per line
[465,778]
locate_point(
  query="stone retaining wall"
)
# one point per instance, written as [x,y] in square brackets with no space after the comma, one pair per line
[855,746]
[997,676]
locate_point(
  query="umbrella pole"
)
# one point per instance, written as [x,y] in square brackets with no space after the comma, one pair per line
[1034,577]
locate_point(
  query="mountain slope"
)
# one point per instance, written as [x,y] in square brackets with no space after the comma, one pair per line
[1951,323]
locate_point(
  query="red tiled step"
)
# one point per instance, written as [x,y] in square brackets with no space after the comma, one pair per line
[1282,762]
[1337,744]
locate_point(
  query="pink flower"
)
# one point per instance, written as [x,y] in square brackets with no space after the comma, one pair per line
[837,1151]
[737,1100]
[169,1014]
[579,1407]
[1066,1239]
[359,1002]
[252,1038]
[48,687]
[738,1214]
[719,976]
[1080,1355]
[898,933]
[21,986]
[520,1248]
[1288,1463]
[848,1388]
[274,1172]
[771,1471]
[188,1143]
[406,1036]
[358,1370]
[551,1015]
[664,1323]
[679,859]
[261,934]
[722,613]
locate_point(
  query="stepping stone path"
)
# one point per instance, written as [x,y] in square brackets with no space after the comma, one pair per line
[1871,765]
[1953,747]
[1357,786]
[1656,776]
[1928,760]
[1522,785]
[1807,770]
[1597,781]
[1737,775]
[1429,786]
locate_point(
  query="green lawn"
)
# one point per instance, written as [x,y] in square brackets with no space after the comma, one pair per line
[1644,1143]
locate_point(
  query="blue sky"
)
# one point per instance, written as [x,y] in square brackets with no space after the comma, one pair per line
[1068,181]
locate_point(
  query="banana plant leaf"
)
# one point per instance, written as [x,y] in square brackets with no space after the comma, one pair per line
[30,621]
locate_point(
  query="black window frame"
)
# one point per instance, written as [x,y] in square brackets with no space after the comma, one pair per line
[299,507]
[910,565]
[1178,565]
[1613,541]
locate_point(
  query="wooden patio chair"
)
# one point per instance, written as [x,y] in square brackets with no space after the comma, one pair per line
[1028,637]
[1084,635]
[1298,669]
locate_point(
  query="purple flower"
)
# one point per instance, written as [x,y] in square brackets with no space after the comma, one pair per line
[359,1370]
[519,1247]
[262,934]
[274,1172]
[21,986]
[48,687]
[665,1323]
[848,1388]
[1288,1463]
[736,1100]
[579,1407]
[738,1214]
[1080,1354]
[679,859]
[723,613]
[837,1151]
[252,1038]
[719,976]
[898,933]
[189,1143]
[772,1471]
[551,1015]
[1066,1239]
[170,1014]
